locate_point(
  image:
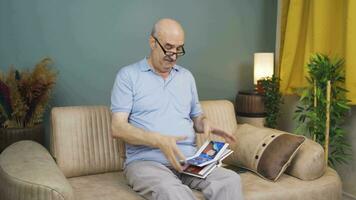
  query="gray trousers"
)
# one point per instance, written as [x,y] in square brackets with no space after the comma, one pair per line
[152,180]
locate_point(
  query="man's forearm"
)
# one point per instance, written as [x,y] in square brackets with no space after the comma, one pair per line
[120,128]
[199,123]
[133,135]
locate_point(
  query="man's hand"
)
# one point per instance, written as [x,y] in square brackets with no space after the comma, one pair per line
[210,127]
[168,146]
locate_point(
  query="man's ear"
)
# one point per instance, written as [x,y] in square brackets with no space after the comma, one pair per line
[152,42]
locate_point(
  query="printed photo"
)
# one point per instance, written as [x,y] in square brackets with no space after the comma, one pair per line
[208,154]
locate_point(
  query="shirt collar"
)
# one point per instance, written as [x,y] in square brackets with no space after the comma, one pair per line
[144,66]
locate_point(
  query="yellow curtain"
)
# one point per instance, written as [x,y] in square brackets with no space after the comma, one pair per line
[316,26]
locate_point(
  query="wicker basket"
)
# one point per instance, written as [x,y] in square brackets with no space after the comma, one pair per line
[12,135]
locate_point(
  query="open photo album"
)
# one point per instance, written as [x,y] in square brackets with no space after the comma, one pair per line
[207,158]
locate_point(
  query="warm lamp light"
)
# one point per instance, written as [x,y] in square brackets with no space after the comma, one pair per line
[263,66]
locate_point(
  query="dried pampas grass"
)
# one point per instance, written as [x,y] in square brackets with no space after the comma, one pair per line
[25,95]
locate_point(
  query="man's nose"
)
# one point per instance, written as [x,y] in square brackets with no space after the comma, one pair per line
[174,57]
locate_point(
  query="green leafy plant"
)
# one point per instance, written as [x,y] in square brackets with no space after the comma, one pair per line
[24,95]
[272,100]
[311,112]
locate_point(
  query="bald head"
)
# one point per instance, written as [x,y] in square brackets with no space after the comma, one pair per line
[167,26]
[167,38]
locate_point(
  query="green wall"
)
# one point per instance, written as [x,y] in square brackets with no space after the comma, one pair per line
[90,40]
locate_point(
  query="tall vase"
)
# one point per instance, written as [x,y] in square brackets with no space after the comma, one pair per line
[12,135]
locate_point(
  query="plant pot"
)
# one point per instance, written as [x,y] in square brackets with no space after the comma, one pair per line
[12,135]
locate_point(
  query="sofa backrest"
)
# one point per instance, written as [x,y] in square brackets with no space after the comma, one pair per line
[82,144]
[221,113]
[81,141]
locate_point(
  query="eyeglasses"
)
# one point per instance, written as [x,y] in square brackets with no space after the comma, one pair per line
[179,53]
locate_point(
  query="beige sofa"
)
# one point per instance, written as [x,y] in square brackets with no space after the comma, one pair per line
[88,162]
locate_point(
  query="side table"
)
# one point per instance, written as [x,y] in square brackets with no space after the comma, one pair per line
[250,108]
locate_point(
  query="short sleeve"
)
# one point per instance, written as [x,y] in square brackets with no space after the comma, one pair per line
[195,110]
[122,93]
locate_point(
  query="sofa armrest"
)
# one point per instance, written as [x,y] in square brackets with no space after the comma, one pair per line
[27,171]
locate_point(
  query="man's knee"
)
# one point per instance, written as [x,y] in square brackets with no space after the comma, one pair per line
[172,191]
[228,176]
[226,180]
[226,184]
[233,179]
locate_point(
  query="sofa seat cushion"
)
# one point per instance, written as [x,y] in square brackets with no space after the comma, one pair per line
[288,187]
[113,186]
[108,186]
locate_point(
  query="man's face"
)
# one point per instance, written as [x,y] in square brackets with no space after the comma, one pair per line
[163,46]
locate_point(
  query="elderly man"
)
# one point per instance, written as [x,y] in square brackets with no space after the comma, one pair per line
[155,109]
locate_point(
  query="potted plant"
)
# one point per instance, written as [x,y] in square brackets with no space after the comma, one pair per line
[272,99]
[323,107]
[24,97]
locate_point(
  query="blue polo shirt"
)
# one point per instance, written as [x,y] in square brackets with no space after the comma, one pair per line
[156,104]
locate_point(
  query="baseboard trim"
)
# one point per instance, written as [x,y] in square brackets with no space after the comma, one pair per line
[349,195]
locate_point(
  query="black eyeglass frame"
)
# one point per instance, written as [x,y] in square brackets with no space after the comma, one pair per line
[170,53]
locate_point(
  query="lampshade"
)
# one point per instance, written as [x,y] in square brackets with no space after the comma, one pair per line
[263,66]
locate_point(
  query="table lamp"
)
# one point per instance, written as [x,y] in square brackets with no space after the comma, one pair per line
[263,67]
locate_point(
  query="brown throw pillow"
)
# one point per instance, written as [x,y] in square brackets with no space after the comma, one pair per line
[267,152]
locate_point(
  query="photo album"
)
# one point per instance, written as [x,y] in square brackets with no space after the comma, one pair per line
[206,159]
